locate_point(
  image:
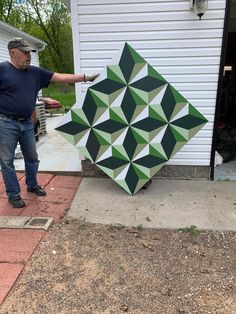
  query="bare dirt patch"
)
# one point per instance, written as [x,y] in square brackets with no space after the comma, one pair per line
[89,268]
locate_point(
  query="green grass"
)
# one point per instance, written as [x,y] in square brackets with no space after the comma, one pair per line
[192,230]
[140,227]
[64,93]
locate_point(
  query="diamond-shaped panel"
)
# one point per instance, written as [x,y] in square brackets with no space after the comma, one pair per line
[132,121]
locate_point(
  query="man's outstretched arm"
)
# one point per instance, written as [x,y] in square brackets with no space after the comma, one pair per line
[72,78]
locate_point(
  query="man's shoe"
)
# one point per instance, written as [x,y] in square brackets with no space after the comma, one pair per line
[16,202]
[37,190]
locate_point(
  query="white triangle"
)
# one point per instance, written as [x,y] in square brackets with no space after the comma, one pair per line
[118,101]
[123,173]
[104,117]
[144,152]
[105,155]
[84,139]
[65,119]
[121,138]
[142,115]
[141,74]
[183,112]
[158,138]
[158,98]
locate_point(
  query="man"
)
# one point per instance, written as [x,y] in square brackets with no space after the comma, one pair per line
[19,86]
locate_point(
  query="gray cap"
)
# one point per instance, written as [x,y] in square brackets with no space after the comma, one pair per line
[21,44]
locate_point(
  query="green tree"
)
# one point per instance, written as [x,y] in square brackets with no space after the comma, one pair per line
[10,13]
[48,20]
[53,19]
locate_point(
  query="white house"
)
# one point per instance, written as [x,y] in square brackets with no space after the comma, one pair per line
[188,52]
[7,32]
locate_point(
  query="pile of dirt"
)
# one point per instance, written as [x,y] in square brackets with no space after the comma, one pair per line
[89,268]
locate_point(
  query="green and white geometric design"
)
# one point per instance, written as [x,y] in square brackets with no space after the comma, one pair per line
[132,121]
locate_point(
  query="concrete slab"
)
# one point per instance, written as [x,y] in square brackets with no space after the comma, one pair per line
[55,153]
[165,204]
[13,222]
[20,222]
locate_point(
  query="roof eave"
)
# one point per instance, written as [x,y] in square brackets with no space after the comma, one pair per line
[39,44]
[67,3]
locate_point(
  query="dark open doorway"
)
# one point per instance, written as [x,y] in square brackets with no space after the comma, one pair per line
[226,119]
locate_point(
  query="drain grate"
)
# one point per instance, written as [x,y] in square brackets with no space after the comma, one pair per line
[10,222]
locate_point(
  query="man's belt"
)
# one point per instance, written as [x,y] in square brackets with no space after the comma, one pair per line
[13,117]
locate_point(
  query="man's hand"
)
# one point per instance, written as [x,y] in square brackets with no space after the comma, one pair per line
[90,78]
[50,101]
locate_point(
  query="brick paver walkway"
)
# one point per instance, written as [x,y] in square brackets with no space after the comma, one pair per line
[18,245]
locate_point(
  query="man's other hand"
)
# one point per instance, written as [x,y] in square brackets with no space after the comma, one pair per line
[90,78]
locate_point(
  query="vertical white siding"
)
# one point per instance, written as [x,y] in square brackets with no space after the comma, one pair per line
[170,37]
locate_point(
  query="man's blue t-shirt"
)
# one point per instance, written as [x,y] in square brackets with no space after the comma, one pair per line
[19,88]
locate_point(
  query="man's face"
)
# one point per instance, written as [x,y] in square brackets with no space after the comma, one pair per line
[21,59]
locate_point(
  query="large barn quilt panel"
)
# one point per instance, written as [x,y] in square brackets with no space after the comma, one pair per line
[131,121]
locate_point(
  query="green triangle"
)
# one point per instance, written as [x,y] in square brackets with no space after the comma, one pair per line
[117,171]
[117,115]
[139,139]
[137,68]
[78,115]
[177,147]
[194,112]
[157,114]
[194,131]
[140,184]
[177,109]
[155,132]
[138,150]
[124,185]
[178,136]
[138,110]
[136,57]
[144,135]
[103,135]
[177,96]
[99,113]
[101,139]
[103,99]
[153,73]
[155,169]
[102,150]
[158,151]
[117,134]
[98,101]
[155,92]
[108,171]
[121,153]
[184,133]
[140,97]
[140,174]
[114,73]
[79,136]
[112,97]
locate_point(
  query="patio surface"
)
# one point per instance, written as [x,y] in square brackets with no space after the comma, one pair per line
[55,153]
[17,245]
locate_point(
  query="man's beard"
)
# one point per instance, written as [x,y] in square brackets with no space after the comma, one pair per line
[26,65]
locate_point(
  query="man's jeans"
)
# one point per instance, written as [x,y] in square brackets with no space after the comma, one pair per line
[12,132]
